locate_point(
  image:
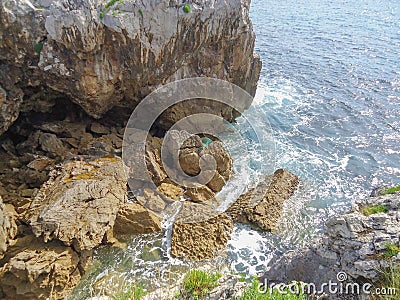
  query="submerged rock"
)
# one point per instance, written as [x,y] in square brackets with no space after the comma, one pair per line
[80,201]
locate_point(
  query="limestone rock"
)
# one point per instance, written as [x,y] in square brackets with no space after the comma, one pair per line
[152,201]
[8,227]
[40,271]
[353,243]
[201,240]
[133,218]
[263,205]
[45,43]
[200,194]
[80,201]
[172,191]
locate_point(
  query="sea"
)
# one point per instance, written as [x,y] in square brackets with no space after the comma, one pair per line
[329,92]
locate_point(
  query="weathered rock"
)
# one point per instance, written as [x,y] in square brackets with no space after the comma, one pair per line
[38,270]
[201,240]
[52,144]
[127,53]
[189,161]
[152,201]
[221,156]
[353,243]
[263,205]
[79,203]
[133,218]
[172,191]
[200,194]
[41,163]
[8,227]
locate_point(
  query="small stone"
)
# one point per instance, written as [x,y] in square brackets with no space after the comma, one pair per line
[99,129]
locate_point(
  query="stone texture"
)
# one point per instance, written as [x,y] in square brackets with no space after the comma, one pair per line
[201,240]
[353,243]
[100,63]
[133,218]
[8,227]
[79,203]
[38,270]
[263,205]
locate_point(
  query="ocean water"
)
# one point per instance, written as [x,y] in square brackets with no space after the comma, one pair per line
[330,90]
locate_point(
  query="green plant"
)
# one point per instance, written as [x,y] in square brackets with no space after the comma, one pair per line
[187,8]
[390,282]
[391,250]
[108,6]
[198,283]
[38,47]
[102,15]
[140,12]
[391,190]
[254,292]
[373,209]
[130,291]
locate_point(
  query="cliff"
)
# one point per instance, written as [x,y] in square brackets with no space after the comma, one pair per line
[103,54]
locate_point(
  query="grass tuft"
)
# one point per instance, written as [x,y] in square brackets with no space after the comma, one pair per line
[197,283]
[391,250]
[391,190]
[131,291]
[374,209]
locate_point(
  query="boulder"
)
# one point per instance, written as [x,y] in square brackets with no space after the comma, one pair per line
[200,194]
[263,205]
[79,203]
[133,218]
[202,239]
[8,227]
[38,270]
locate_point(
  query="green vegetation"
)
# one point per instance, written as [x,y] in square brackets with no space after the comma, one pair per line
[389,284]
[391,190]
[391,250]
[187,8]
[108,6]
[140,12]
[131,291]
[255,293]
[198,283]
[373,209]
[38,47]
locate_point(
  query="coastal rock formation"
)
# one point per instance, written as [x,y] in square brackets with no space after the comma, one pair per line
[101,55]
[357,243]
[79,203]
[201,240]
[8,227]
[263,205]
[38,270]
[133,218]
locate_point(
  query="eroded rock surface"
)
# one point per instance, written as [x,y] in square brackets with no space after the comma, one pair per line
[101,57]
[201,240]
[8,227]
[79,203]
[133,218]
[353,243]
[263,205]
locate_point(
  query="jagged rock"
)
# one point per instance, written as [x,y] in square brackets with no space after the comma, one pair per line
[221,156]
[38,270]
[8,227]
[263,205]
[200,194]
[41,163]
[189,161]
[201,240]
[52,144]
[172,191]
[174,45]
[152,201]
[80,201]
[353,243]
[133,218]
[99,129]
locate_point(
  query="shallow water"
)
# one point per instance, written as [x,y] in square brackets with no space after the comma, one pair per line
[330,88]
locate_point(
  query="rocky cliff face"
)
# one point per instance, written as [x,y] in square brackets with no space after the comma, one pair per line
[103,54]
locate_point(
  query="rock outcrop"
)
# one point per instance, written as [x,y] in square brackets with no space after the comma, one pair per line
[201,240]
[8,227]
[38,270]
[133,218]
[354,243]
[80,202]
[101,55]
[263,205]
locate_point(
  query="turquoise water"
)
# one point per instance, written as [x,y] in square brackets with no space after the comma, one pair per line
[330,88]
